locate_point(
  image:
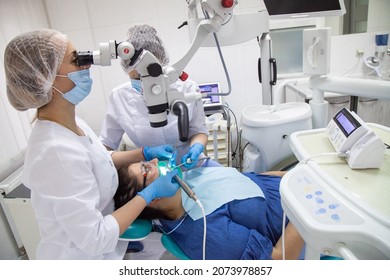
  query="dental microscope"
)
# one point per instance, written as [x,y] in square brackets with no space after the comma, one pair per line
[156,80]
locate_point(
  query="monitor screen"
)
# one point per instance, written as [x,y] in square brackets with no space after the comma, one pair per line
[278,9]
[214,100]
[346,122]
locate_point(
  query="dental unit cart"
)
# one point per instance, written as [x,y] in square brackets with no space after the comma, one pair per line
[338,210]
[16,203]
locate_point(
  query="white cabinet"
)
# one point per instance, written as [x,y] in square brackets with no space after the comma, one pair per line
[374,110]
[218,150]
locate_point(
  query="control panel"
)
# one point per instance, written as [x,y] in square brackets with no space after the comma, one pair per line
[351,136]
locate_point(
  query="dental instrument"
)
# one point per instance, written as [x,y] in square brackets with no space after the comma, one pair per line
[188,161]
[186,188]
[192,195]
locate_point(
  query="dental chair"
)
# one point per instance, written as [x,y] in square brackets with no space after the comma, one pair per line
[140,229]
[172,247]
[136,232]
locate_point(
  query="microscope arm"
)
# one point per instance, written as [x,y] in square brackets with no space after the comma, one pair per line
[159,97]
[203,30]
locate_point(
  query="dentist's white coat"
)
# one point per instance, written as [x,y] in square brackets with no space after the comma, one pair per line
[72,201]
[127,112]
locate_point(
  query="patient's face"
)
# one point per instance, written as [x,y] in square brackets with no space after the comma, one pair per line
[145,168]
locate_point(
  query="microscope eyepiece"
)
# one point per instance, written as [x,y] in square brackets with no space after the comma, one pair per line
[84,58]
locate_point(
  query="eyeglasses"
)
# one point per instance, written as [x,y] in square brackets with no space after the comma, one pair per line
[145,170]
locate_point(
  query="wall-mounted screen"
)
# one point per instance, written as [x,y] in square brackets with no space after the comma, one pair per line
[279,9]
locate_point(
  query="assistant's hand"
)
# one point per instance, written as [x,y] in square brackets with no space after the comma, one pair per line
[162,152]
[164,186]
[193,154]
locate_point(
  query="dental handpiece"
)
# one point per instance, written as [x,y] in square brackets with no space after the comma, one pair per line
[186,188]
[184,185]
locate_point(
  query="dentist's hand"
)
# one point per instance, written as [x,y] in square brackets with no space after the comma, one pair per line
[164,186]
[172,160]
[162,152]
[193,154]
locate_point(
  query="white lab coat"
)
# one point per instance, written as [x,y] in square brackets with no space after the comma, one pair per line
[127,113]
[72,180]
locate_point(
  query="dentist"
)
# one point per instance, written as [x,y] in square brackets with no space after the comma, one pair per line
[71,175]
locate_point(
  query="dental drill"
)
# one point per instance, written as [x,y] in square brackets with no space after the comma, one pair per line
[182,183]
[186,188]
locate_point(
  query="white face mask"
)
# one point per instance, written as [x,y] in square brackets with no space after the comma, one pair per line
[83,83]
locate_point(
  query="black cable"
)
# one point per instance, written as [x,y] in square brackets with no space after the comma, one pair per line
[235,120]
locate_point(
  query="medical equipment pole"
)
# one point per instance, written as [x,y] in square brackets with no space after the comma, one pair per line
[266,82]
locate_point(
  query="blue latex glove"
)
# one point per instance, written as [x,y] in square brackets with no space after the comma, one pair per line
[164,186]
[193,154]
[172,160]
[162,152]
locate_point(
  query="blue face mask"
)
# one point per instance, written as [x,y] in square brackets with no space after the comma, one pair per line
[83,83]
[137,85]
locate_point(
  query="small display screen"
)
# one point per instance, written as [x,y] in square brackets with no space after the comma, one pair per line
[213,100]
[346,122]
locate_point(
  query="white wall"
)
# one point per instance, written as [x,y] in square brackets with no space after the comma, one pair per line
[378,15]
[15,17]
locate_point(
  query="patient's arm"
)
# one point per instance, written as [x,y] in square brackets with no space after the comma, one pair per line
[274,173]
[293,244]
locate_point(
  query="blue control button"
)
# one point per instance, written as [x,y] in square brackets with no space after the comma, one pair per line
[333,206]
[309,196]
[321,211]
[319,200]
[318,192]
[335,217]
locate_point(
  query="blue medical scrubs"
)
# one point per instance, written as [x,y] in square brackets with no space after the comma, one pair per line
[241,229]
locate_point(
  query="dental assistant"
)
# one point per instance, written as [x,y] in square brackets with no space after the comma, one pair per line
[127,111]
[71,175]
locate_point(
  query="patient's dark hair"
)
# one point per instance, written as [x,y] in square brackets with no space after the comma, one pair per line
[128,188]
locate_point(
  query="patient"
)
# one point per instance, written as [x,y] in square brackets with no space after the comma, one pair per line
[244,213]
